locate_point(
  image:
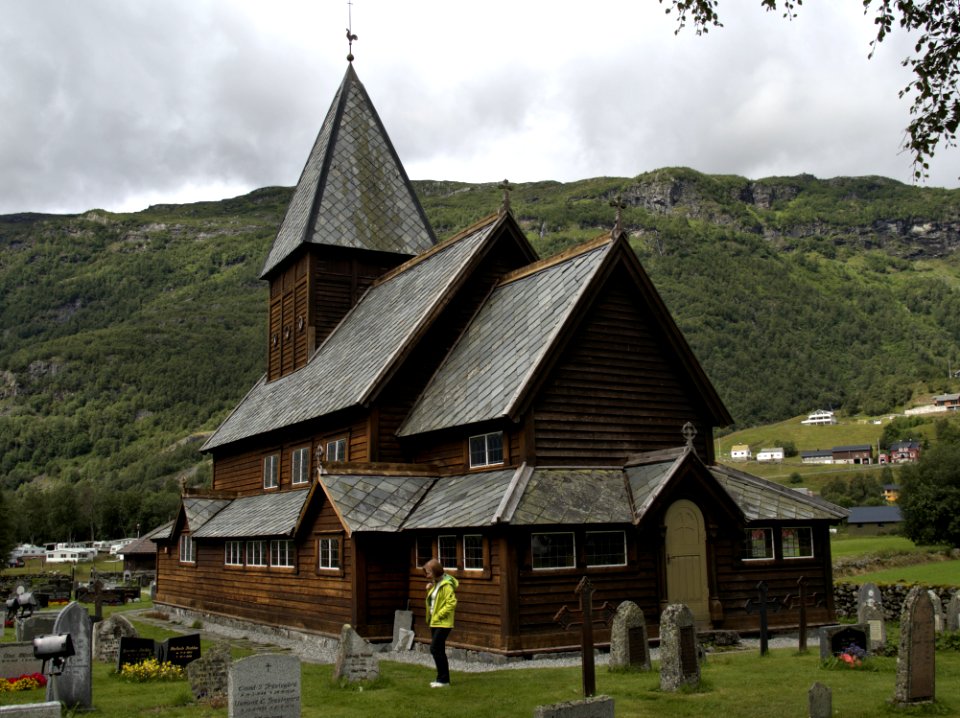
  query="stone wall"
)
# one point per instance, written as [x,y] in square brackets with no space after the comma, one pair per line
[845,597]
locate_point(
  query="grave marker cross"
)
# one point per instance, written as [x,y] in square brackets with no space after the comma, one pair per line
[762,604]
[801,600]
[566,618]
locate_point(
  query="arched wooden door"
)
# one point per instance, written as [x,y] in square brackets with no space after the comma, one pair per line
[686,553]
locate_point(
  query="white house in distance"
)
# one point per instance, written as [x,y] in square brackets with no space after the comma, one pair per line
[821,416]
[769,455]
[740,452]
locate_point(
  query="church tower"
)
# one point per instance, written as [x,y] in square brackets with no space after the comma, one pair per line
[353,216]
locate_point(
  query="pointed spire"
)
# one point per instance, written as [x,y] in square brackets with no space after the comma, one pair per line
[353,191]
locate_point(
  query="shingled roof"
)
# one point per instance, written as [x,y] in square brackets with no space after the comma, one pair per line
[349,366]
[273,514]
[353,191]
[492,362]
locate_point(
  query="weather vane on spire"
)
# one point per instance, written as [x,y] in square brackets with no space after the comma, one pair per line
[618,220]
[350,36]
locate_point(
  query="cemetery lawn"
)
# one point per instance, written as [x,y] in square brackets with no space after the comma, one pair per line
[735,685]
[936,573]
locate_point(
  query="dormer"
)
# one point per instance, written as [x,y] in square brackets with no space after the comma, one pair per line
[353,216]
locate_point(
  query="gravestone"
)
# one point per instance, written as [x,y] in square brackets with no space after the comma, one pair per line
[868,596]
[938,623]
[679,657]
[402,624]
[595,707]
[834,639]
[31,710]
[153,590]
[355,660]
[180,650]
[405,640]
[953,612]
[39,624]
[209,674]
[16,659]
[872,617]
[264,686]
[916,661]
[132,650]
[107,635]
[629,647]
[820,701]
[74,687]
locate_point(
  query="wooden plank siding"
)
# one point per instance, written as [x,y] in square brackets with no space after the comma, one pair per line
[614,392]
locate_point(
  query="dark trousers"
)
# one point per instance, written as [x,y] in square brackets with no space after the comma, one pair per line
[438,649]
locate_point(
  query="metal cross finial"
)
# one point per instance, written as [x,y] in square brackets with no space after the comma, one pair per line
[350,36]
[689,432]
[505,205]
[618,220]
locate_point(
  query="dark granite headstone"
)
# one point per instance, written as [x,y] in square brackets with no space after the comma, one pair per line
[180,650]
[916,661]
[133,650]
[264,686]
[834,639]
[628,639]
[679,657]
[74,687]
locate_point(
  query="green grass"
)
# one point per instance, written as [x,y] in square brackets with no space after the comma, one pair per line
[934,573]
[845,546]
[777,688]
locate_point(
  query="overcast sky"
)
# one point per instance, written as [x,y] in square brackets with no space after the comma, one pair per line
[119,104]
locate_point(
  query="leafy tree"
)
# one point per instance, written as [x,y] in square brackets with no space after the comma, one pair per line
[6,529]
[935,61]
[930,496]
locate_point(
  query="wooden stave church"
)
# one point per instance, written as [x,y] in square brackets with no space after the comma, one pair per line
[391,356]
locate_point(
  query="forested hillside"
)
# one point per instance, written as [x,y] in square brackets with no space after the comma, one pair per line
[125,336]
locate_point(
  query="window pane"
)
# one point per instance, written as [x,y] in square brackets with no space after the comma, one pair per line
[300,466]
[758,543]
[424,550]
[337,450]
[447,549]
[270,471]
[233,553]
[473,552]
[553,550]
[797,542]
[256,553]
[606,548]
[495,448]
[330,553]
[478,451]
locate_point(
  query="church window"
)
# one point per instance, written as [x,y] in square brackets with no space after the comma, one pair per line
[758,544]
[797,541]
[606,548]
[553,550]
[486,449]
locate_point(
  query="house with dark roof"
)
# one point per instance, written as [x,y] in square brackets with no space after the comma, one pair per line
[530,422]
[874,520]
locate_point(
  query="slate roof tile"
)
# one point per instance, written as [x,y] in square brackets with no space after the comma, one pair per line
[462,501]
[353,191]
[272,514]
[574,496]
[359,351]
[199,510]
[760,499]
[499,352]
[375,503]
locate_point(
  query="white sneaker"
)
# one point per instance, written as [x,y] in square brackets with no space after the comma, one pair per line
[435,684]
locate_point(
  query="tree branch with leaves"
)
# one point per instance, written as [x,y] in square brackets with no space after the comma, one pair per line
[935,61]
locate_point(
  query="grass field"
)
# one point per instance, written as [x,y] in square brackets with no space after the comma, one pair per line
[844,546]
[934,573]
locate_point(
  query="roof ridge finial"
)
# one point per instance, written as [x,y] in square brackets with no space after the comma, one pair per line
[505,204]
[350,36]
[618,219]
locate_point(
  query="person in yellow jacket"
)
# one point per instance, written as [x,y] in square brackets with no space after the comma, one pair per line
[441,604]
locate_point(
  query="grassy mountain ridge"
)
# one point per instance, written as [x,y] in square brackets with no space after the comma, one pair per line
[122,334]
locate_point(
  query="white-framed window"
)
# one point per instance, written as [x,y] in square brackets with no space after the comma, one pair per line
[188,549]
[758,544]
[486,449]
[282,553]
[233,553]
[328,549]
[424,550]
[606,548]
[300,466]
[797,541]
[271,471]
[553,550]
[473,552]
[256,553]
[336,450]
[447,551]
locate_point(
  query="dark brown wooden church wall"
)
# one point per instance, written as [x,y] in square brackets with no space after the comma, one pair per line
[615,391]
[300,597]
[240,468]
[289,331]
[737,582]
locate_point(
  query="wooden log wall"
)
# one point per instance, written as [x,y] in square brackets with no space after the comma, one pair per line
[616,391]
